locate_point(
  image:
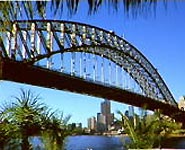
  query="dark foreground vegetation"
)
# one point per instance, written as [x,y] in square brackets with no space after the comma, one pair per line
[26,116]
[149,131]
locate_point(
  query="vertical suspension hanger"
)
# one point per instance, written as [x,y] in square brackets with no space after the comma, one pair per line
[24,33]
[84,65]
[62,28]
[73,44]
[49,45]
[102,69]
[14,41]
[8,43]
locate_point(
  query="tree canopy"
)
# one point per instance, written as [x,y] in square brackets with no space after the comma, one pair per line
[28,117]
[12,9]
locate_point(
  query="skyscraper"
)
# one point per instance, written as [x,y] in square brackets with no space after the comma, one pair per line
[106,111]
[92,123]
[104,119]
[101,122]
[105,107]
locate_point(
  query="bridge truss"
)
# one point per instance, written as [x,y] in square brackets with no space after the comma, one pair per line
[83,51]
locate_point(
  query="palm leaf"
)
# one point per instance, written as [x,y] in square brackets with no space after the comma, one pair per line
[129,126]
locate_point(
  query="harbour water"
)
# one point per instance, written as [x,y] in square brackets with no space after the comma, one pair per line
[92,142]
[113,143]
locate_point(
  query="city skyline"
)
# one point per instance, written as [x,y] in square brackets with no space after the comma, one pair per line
[104,119]
[159,38]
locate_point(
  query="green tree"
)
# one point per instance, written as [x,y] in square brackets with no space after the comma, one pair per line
[24,114]
[148,131]
[7,132]
[54,130]
[27,117]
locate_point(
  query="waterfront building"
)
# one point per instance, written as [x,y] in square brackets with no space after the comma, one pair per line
[105,107]
[104,119]
[92,124]
[74,126]
[106,111]
[101,122]
[79,125]
[181,103]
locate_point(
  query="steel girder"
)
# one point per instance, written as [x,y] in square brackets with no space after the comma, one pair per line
[31,41]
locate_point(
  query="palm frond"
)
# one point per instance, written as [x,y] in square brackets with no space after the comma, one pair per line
[129,126]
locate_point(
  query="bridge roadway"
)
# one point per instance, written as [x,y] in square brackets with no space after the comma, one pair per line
[29,74]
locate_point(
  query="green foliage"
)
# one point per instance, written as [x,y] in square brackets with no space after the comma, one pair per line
[147,132]
[7,132]
[55,131]
[28,117]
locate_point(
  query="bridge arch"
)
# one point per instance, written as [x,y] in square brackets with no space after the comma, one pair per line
[44,39]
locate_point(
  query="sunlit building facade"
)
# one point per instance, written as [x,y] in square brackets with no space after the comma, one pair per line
[106,111]
[104,119]
[92,125]
[181,103]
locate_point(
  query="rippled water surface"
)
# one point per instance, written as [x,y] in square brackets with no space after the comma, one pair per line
[106,143]
[93,143]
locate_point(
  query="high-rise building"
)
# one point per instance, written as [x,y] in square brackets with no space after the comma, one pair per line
[104,119]
[92,123]
[105,107]
[101,122]
[106,111]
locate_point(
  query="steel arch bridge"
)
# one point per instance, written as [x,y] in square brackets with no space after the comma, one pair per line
[79,52]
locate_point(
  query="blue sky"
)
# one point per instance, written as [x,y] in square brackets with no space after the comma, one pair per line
[160,37]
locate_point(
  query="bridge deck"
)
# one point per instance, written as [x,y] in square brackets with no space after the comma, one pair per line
[20,72]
